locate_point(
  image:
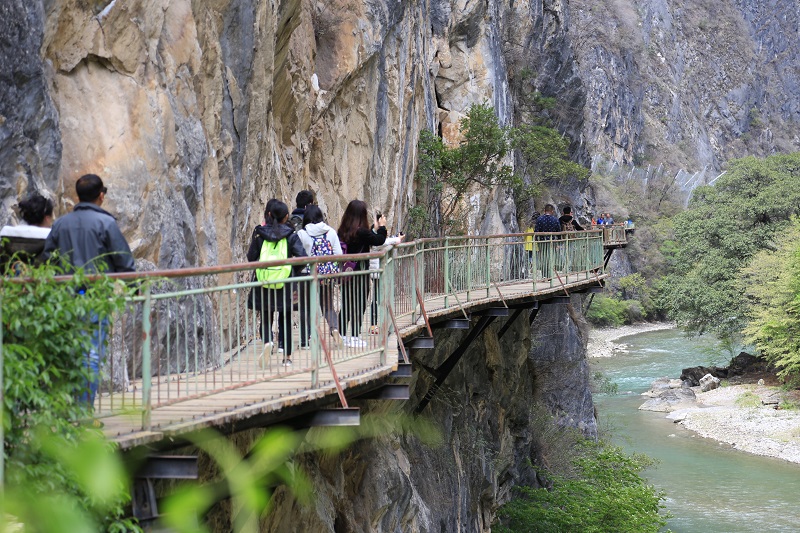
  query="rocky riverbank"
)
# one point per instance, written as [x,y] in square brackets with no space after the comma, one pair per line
[749,412]
[747,417]
[601,340]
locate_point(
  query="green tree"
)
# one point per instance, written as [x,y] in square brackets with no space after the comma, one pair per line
[772,283]
[446,174]
[605,493]
[725,225]
[46,332]
[544,156]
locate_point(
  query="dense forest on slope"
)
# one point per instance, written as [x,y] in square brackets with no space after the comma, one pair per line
[726,264]
[715,285]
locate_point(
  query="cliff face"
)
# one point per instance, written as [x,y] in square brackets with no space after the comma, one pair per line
[497,413]
[196,112]
[689,84]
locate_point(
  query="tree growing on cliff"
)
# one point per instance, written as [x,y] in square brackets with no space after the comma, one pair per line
[544,156]
[447,175]
[723,228]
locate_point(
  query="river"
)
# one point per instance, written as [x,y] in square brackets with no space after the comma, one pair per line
[710,487]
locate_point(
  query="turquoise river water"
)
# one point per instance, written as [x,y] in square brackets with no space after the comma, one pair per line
[710,487]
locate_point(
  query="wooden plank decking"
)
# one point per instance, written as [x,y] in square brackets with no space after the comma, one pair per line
[254,388]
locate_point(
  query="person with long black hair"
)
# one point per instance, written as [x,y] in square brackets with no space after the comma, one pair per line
[275,240]
[36,210]
[357,236]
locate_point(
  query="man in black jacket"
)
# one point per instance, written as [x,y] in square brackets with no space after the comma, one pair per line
[304,199]
[89,238]
[568,222]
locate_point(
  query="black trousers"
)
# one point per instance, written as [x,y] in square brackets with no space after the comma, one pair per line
[355,292]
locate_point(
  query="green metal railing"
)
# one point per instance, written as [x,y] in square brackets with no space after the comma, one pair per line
[191,333]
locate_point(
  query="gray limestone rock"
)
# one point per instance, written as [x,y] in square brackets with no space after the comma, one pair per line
[30,141]
[708,382]
[669,400]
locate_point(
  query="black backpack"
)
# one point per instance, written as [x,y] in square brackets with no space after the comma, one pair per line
[296,221]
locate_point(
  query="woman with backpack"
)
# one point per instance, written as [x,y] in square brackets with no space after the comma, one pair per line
[357,236]
[319,239]
[274,241]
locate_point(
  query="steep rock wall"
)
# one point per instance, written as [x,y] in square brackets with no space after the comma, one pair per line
[197,111]
[495,412]
[688,84]
[30,142]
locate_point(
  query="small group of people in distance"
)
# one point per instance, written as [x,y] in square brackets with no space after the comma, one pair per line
[605,219]
[548,222]
[304,233]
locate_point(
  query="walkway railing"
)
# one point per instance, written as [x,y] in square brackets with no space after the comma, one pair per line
[192,333]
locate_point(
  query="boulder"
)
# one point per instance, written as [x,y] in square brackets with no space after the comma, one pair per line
[669,400]
[708,382]
[695,373]
[744,363]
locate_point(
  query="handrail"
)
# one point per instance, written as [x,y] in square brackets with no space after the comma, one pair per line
[189,334]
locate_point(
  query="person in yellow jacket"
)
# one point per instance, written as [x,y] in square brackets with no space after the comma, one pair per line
[528,243]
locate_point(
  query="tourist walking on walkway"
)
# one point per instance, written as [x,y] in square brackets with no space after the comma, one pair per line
[568,222]
[89,238]
[303,200]
[546,223]
[275,241]
[319,239]
[357,236]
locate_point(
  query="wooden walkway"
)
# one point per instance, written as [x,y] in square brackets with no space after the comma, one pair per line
[255,388]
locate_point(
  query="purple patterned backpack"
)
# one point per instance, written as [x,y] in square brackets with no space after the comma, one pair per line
[320,247]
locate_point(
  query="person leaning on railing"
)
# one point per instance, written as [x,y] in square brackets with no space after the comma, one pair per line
[374,265]
[356,234]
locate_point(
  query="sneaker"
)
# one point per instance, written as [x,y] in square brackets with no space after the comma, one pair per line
[374,330]
[336,338]
[287,362]
[280,350]
[354,342]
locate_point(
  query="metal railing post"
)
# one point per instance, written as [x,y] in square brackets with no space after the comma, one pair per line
[446,270]
[488,268]
[414,275]
[314,323]
[146,372]
[469,266]
[387,293]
